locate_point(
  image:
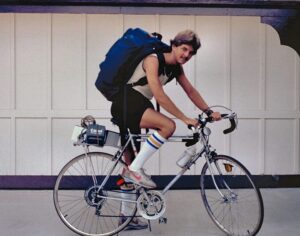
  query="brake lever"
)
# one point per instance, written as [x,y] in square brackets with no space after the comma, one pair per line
[190,142]
[195,133]
[191,127]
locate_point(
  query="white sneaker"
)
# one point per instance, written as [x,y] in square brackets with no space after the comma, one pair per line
[139,177]
[144,173]
[135,224]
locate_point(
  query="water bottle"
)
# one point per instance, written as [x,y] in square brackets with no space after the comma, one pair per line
[186,156]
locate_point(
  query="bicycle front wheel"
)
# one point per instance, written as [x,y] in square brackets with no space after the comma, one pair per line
[87,206]
[230,196]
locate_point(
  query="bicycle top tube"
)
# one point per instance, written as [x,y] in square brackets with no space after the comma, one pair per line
[194,138]
[174,138]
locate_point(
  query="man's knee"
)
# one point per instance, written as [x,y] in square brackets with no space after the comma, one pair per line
[170,128]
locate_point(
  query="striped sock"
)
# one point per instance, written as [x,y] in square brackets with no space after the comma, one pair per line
[152,144]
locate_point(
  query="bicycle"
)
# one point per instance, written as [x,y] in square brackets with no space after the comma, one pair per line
[88,199]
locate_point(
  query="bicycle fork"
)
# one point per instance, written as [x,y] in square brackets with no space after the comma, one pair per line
[212,173]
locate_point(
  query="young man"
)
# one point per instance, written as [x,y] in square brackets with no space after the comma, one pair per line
[140,112]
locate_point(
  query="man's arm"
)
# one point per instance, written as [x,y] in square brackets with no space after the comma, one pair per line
[151,65]
[195,96]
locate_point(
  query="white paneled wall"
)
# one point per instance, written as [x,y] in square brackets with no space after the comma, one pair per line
[49,63]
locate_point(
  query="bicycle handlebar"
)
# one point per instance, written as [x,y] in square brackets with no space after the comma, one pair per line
[232,125]
[231,118]
[204,121]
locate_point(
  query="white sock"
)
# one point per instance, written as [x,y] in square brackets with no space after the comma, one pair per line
[152,144]
[127,207]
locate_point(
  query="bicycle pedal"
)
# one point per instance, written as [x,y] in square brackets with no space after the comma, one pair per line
[162,220]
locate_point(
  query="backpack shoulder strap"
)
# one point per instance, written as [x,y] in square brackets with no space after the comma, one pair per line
[161,61]
[172,71]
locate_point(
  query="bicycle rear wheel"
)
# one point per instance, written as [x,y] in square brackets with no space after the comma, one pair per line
[83,205]
[234,203]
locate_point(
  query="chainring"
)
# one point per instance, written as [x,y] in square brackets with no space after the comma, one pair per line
[151,205]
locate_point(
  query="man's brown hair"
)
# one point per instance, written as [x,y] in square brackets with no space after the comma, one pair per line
[187,37]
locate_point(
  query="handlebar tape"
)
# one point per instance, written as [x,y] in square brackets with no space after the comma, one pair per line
[231,128]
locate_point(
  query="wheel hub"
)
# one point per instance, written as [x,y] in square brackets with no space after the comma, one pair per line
[93,196]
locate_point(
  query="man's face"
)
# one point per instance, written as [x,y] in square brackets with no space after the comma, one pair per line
[183,53]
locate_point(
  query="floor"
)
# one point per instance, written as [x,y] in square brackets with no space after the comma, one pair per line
[31,213]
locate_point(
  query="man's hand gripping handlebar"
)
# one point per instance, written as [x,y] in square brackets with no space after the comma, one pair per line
[202,123]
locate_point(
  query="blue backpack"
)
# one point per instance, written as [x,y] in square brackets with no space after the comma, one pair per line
[123,58]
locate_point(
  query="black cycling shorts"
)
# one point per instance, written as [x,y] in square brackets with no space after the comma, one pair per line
[128,108]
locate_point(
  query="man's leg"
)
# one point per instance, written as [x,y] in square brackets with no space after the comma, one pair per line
[127,189]
[165,128]
[128,192]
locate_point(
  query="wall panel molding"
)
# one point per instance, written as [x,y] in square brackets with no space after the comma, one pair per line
[282,15]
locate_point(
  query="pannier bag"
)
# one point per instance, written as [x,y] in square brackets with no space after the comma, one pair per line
[96,135]
[93,134]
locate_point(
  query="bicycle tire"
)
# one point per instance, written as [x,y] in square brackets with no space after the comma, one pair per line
[241,210]
[79,203]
